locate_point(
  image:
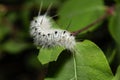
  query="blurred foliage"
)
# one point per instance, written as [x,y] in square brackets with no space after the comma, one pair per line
[81,14]
[118,1]
[18,55]
[114,25]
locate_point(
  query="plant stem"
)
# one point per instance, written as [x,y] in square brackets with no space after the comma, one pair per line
[75,67]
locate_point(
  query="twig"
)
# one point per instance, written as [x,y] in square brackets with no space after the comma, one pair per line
[109,11]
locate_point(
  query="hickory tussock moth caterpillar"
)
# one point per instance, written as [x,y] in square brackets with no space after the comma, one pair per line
[46,36]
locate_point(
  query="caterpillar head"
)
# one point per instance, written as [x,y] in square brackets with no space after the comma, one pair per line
[41,21]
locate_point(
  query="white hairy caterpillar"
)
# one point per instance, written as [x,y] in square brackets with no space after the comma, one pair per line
[46,36]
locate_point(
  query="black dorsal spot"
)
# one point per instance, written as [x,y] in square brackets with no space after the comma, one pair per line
[48,34]
[64,32]
[71,34]
[43,34]
[55,32]
[35,29]
[39,33]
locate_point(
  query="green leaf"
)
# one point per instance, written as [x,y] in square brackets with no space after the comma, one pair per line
[14,47]
[47,55]
[117,76]
[88,63]
[114,25]
[80,13]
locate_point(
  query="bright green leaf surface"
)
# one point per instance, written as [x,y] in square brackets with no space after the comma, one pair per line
[88,63]
[114,25]
[47,55]
[80,13]
[117,76]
